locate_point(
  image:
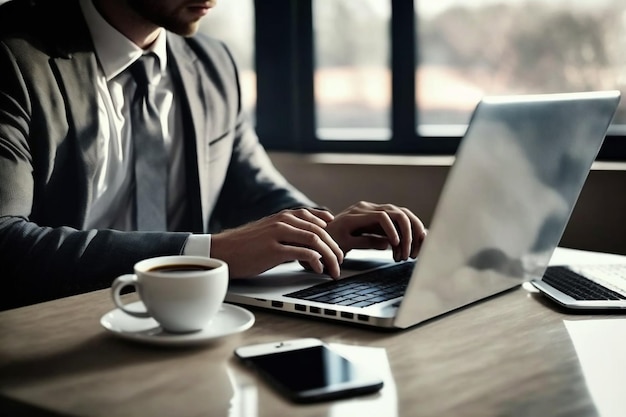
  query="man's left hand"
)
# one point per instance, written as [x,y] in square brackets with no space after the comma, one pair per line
[366,225]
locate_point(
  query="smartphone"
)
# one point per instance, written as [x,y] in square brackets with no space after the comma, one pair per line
[308,370]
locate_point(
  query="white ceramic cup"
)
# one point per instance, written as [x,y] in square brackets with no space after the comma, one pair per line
[182,293]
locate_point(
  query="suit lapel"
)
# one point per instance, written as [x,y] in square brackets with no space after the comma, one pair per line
[183,64]
[77,75]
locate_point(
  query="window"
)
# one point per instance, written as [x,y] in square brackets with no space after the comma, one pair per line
[469,49]
[403,76]
[352,78]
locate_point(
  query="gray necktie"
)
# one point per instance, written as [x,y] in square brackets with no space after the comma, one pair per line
[149,150]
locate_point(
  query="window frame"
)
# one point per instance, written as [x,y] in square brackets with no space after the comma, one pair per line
[285,109]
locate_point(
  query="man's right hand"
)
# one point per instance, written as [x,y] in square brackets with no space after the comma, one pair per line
[291,235]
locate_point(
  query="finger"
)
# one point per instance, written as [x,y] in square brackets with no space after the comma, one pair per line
[388,227]
[375,223]
[403,228]
[330,258]
[317,216]
[321,233]
[303,219]
[306,266]
[411,230]
[292,215]
[308,258]
[418,230]
[325,215]
[418,246]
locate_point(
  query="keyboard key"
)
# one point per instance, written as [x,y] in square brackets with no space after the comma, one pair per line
[361,290]
[578,286]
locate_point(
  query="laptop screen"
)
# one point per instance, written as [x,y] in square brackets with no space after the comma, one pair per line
[508,197]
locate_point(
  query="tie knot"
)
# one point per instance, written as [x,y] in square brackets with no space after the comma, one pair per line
[142,69]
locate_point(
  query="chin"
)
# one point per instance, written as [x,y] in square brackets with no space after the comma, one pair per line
[185,28]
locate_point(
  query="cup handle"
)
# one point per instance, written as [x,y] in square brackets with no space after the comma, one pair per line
[118,284]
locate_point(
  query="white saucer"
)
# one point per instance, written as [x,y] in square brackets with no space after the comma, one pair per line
[230,319]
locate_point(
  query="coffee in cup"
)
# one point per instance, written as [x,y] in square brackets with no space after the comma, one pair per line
[182,293]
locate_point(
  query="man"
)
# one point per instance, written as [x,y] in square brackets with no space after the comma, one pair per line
[69,212]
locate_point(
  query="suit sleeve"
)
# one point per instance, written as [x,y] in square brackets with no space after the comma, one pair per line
[253,187]
[44,260]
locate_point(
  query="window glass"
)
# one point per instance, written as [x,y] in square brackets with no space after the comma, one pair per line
[352,76]
[467,49]
[232,22]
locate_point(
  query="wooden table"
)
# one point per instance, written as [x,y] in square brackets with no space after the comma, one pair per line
[511,355]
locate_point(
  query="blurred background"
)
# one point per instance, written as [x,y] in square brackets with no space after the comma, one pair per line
[463,51]
[369,99]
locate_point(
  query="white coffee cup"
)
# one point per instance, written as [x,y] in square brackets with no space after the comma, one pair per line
[182,293]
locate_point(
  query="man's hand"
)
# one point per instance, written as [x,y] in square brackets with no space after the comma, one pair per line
[291,235]
[378,226]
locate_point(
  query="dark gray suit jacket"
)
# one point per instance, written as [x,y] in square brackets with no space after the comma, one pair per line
[48,125]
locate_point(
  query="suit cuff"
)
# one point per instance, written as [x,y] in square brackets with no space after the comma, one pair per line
[198,245]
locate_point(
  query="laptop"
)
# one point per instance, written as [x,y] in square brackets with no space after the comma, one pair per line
[502,211]
[585,287]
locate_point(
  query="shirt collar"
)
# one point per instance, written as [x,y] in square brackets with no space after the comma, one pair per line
[114,50]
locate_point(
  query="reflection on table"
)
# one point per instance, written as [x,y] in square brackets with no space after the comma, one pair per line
[515,354]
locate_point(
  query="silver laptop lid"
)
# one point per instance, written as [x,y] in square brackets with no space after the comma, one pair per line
[508,197]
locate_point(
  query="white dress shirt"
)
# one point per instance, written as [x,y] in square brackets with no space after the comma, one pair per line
[113,193]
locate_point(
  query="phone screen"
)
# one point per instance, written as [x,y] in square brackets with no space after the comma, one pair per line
[314,373]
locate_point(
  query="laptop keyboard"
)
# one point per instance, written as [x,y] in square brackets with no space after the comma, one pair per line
[361,290]
[577,286]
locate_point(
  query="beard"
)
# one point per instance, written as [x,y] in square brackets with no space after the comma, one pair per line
[178,20]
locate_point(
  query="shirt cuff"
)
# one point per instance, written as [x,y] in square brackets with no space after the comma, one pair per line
[198,245]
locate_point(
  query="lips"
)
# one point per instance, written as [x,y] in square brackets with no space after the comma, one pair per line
[201,8]
[202,4]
